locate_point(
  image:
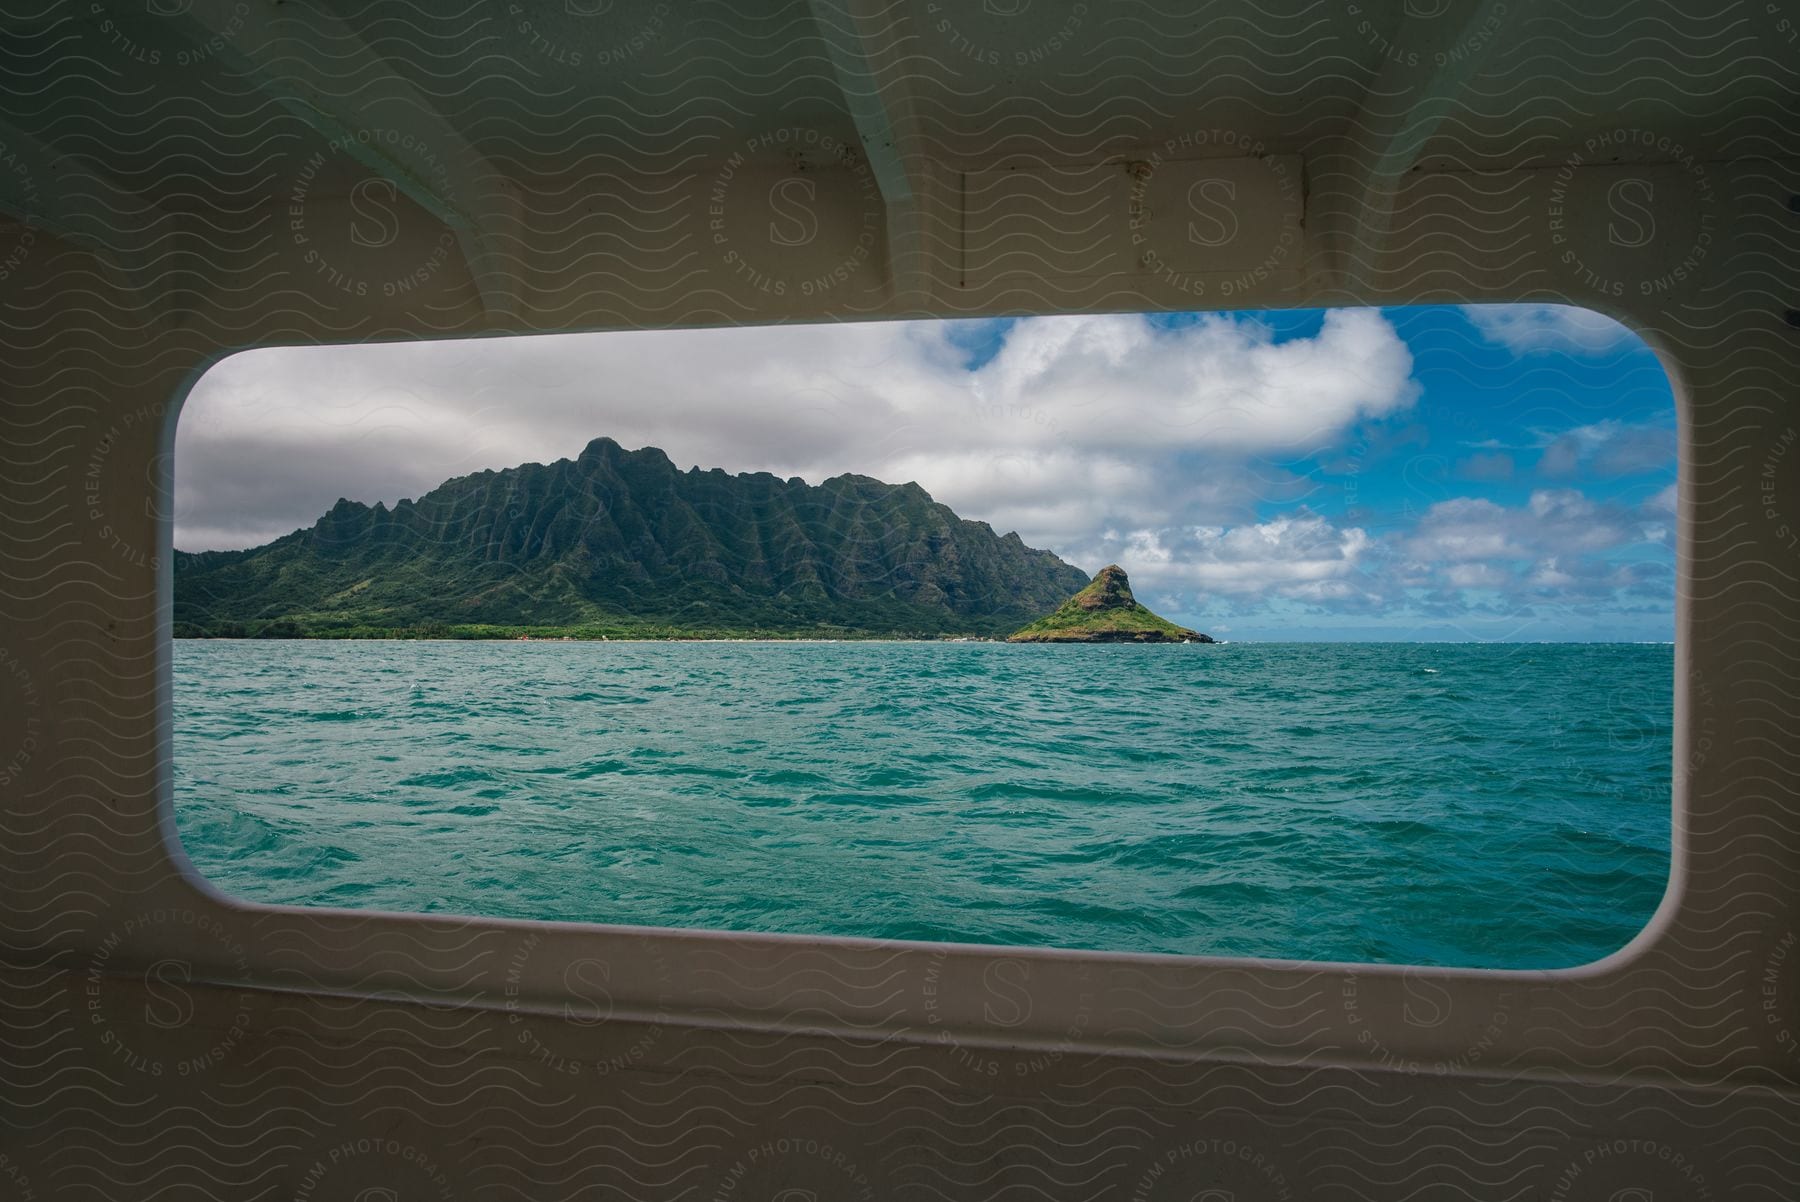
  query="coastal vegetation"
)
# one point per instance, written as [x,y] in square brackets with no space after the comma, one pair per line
[623,544]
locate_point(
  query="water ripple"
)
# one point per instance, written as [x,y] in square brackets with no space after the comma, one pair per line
[1491,805]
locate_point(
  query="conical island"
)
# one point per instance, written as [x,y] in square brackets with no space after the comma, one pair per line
[1106,612]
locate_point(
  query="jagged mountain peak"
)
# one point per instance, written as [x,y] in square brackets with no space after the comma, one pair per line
[642,543]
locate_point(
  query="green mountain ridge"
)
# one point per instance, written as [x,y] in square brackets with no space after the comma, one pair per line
[1104,611]
[625,542]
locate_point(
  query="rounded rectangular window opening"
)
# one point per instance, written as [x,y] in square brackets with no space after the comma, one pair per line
[1314,635]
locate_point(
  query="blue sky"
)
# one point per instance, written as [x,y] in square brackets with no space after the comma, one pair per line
[1440,472]
[1552,425]
[1562,437]
[1569,432]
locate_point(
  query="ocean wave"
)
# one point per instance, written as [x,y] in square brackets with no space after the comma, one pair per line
[1284,800]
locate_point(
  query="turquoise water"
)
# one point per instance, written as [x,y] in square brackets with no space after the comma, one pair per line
[1487,805]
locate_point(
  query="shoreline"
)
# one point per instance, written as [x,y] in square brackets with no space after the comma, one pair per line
[812,639]
[582,638]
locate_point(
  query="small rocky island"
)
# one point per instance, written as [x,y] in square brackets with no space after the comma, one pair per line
[1106,612]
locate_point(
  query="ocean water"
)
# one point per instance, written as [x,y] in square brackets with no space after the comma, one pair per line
[1501,806]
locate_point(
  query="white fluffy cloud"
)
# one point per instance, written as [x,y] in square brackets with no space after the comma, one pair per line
[1301,557]
[1074,425]
[1608,448]
[1118,381]
[1528,329]
[1559,542]
[1553,521]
